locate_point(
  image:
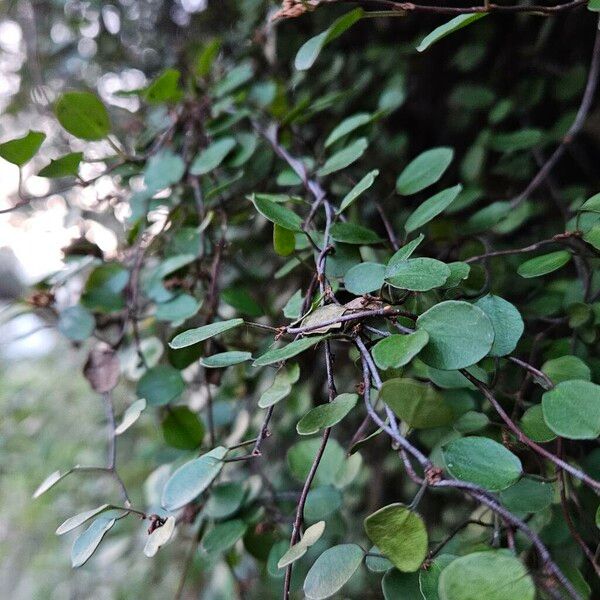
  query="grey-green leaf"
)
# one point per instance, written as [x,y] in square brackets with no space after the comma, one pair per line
[506,321]
[364,184]
[331,571]
[192,478]
[432,207]
[326,415]
[364,278]
[396,351]
[212,156]
[544,264]
[482,461]
[278,214]
[417,274]
[572,409]
[460,335]
[87,542]
[225,359]
[290,350]
[343,158]
[424,170]
[447,28]
[199,334]
[309,51]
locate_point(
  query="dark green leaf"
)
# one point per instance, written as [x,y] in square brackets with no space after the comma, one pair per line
[417,274]
[22,150]
[343,158]
[65,166]
[544,264]
[398,350]
[160,385]
[424,170]
[182,429]
[432,207]
[506,321]
[278,214]
[225,359]
[326,415]
[83,115]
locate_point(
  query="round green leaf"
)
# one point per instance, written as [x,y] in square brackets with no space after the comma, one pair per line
[182,428]
[83,115]
[396,585]
[326,415]
[22,150]
[192,478]
[417,274]
[418,404]
[460,335]
[301,455]
[534,426]
[399,534]
[76,323]
[429,578]
[160,385]
[493,575]
[163,169]
[542,265]
[572,409]
[225,500]
[322,502]
[482,461]
[225,359]
[364,278]
[332,570]
[424,170]
[432,207]
[566,367]
[506,321]
[528,496]
[398,350]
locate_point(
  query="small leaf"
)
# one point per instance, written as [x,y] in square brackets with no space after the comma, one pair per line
[343,158]
[322,315]
[400,535]
[289,351]
[364,278]
[65,166]
[224,535]
[311,536]
[87,542]
[74,522]
[347,126]
[406,251]
[301,455]
[506,321]
[566,367]
[483,461]
[225,359]
[516,140]
[284,240]
[350,233]
[429,578]
[460,335]
[77,323]
[309,51]
[417,404]
[424,170]
[212,156]
[160,385]
[528,496]
[544,264]
[225,499]
[459,271]
[493,575]
[281,386]
[326,415]
[432,207]
[417,274]
[164,88]
[163,169]
[159,537]
[49,482]
[534,426]
[22,150]
[364,184]
[192,478]
[331,571]
[177,309]
[199,334]
[447,28]
[182,428]
[130,416]
[396,351]
[572,409]
[278,214]
[83,115]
